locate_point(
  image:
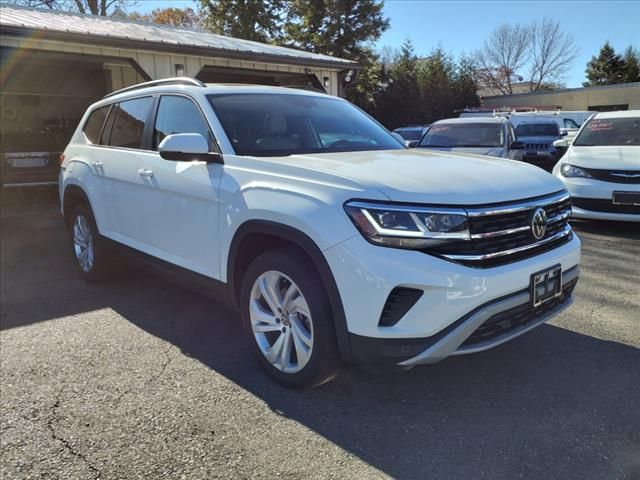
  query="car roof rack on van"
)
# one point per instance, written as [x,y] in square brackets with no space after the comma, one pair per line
[154,83]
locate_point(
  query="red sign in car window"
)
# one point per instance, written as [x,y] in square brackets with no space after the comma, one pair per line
[599,126]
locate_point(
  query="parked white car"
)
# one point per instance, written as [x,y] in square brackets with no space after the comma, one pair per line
[601,168]
[333,241]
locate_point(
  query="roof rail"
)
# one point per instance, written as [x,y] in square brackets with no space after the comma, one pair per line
[155,83]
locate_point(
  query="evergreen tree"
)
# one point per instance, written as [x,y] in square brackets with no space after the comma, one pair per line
[608,68]
[399,102]
[631,65]
[342,28]
[249,19]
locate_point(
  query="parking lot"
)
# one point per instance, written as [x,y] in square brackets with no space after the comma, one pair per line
[139,378]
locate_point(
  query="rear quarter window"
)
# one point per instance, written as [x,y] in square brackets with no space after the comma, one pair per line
[93,125]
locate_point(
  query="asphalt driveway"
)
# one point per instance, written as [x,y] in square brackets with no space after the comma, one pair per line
[139,378]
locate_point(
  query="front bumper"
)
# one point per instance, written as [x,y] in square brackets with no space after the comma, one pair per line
[366,275]
[583,190]
[504,319]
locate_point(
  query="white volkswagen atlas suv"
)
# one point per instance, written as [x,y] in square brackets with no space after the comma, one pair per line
[601,168]
[334,241]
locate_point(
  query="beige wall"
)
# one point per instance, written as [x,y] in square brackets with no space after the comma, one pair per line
[578,99]
[160,64]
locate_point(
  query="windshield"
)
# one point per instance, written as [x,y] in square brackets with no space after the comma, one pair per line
[410,133]
[609,132]
[464,135]
[537,130]
[267,124]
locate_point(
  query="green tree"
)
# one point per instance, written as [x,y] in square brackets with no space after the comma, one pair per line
[631,65]
[422,90]
[608,68]
[343,28]
[364,90]
[399,101]
[249,19]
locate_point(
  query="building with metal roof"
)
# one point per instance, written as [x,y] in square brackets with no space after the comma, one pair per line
[624,96]
[55,64]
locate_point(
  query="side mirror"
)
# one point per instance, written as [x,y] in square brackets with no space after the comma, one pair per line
[398,137]
[564,133]
[413,143]
[517,145]
[187,147]
[561,143]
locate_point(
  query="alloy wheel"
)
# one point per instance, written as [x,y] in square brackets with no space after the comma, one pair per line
[83,243]
[281,321]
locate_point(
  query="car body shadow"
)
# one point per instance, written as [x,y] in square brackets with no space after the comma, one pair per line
[554,403]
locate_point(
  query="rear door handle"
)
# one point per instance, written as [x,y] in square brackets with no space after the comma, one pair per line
[145,172]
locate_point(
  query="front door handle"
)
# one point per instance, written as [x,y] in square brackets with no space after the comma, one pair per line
[145,172]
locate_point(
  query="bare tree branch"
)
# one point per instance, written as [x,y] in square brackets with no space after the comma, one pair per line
[540,51]
[553,52]
[93,7]
[503,55]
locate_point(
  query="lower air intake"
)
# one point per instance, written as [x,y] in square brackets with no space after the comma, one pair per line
[400,301]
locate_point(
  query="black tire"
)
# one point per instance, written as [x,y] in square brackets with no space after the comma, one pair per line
[104,262]
[324,360]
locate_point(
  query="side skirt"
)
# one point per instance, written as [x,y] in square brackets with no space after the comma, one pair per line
[207,286]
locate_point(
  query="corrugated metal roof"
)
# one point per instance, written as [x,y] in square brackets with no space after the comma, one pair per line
[167,36]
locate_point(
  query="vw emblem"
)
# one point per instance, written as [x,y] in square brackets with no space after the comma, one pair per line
[539,223]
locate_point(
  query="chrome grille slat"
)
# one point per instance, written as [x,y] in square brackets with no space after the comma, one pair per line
[502,233]
[565,231]
[519,206]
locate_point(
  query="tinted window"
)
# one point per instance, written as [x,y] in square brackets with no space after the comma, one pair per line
[609,131]
[451,135]
[286,124]
[178,115]
[129,121]
[568,123]
[94,124]
[537,130]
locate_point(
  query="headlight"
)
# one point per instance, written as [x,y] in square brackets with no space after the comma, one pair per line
[568,170]
[408,227]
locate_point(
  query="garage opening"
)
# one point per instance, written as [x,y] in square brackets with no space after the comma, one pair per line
[307,81]
[42,99]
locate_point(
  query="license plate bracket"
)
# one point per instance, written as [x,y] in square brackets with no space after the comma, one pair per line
[546,285]
[626,198]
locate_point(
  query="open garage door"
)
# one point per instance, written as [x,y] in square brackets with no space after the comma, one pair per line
[211,74]
[43,97]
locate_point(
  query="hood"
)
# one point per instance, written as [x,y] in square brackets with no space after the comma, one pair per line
[414,176]
[490,151]
[611,158]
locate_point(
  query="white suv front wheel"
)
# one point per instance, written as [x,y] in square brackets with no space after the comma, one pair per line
[284,308]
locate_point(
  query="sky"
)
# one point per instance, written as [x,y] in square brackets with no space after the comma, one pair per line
[461,26]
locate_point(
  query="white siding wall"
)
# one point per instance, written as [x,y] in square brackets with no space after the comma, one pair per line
[161,65]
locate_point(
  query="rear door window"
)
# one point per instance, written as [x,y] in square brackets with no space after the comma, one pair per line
[93,126]
[130,119]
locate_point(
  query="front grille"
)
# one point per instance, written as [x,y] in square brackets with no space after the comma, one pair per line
[606,206]
[505,322]
[614,176]
[536,146]
[502,233]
